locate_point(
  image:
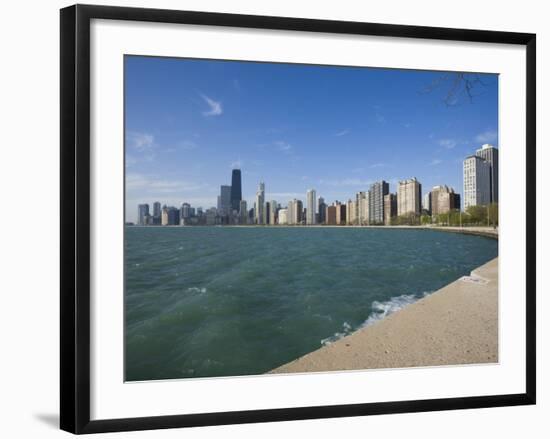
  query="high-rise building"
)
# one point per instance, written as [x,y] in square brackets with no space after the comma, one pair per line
[409,197]
[267,212]
[311,198]
[243,212]
[173,216]
[376,201]
[390,208]
[297,211]
[156,210]
[443,200]
[362,206]
[186,210]
[427,203]
[490,154]
[260,204]
[351,212]
[273,207]
[477,181]
[340,213]
[143,213]
[283,216]
[236,189]
[331,215]
[322,210]
[224,205]
[164,215]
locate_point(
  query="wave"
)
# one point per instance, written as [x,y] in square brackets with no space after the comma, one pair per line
[380,310]
[196,290]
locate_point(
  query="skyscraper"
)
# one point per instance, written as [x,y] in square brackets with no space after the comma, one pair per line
[409,197]
[390,208]
[143,214]
[362,201]
[273,208]
[236,189]
[376,201]
[156,209]
[490,154]
[322,209]
[477,181]
[260,204]
[243,212]
[225,200]
[310,206]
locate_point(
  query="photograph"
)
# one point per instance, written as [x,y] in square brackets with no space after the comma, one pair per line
[295,218]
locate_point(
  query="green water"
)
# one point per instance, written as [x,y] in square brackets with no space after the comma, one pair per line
[222,301]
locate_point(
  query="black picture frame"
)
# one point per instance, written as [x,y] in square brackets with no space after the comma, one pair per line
[75,217]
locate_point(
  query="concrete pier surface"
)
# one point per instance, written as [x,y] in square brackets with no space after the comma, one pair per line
[457,324]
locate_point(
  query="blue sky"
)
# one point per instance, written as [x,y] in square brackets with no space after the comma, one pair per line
[334,129]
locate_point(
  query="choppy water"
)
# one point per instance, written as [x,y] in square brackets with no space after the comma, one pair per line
[222,301]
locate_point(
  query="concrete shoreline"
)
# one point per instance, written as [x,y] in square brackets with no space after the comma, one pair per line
[457,324]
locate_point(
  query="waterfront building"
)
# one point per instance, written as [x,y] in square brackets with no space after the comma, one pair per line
[273,212]
[427,203]
[351,212]
[331,215]
[211,217]
[298,212]
[310,200]
[409,196]
[236,190]
[362,206]
[267,212]
[322,209]
[164,215]
[376,201]
[173,216]
[143,213]
[156,213]
[490,154]
[260,204]
[224,205]
[477,181]
[243,212]
[340,213]
[186,210]
[295,211]
[443,200]
[390,208]
[283,216]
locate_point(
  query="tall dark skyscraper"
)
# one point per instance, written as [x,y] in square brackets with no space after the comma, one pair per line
[236,189]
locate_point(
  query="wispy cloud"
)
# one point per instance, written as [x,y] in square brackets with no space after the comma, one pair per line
[283,146]
[487,136]
[140,141]
[342,133]
[215,107]
[377,165]
[378,116]
[448,143]
[435,162]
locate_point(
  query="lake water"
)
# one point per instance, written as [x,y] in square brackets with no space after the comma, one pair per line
[225,301]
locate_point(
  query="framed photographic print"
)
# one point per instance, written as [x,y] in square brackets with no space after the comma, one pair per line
[272,218]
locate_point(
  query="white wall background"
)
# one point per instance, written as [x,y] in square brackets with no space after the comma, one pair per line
[29,186]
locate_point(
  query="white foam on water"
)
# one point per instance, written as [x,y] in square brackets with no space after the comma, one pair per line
[380,310]
[196,290]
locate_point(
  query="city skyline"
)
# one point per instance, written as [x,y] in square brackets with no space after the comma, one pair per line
[333,129]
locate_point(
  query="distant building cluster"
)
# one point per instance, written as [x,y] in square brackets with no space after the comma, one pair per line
[375,206]
[481,177]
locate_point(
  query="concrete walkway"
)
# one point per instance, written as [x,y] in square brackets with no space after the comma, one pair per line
[457,324]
